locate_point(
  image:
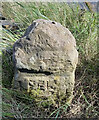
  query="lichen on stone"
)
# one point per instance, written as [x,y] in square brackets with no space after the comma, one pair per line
[45,60]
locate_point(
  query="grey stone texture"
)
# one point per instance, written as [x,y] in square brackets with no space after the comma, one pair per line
[45,59]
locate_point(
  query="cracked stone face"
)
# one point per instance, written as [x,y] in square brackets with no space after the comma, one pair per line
[45,58]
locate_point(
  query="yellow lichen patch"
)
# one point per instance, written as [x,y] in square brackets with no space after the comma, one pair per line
[56,77]
[35,93]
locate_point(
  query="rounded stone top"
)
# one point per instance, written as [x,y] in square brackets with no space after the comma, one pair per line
[59,35]
[46,46]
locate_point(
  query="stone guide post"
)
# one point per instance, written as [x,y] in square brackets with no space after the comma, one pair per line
[45,59]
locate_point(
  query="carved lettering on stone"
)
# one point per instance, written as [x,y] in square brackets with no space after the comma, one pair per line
[45,58]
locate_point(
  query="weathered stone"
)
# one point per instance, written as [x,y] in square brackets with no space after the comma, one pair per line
[45,58]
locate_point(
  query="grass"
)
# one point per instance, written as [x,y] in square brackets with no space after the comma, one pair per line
[83,25]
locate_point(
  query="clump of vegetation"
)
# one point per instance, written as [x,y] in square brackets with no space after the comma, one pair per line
[83,25]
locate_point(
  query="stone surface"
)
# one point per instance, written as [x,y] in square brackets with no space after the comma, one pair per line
[45,59]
